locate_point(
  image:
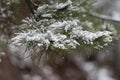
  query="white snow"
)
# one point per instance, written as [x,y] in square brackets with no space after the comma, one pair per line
[47,15]
[63,5]
[89,37]
[63,34]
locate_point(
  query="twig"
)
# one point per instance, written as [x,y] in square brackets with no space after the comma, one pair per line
[104,17]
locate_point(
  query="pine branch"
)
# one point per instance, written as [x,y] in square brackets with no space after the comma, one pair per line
[104,17]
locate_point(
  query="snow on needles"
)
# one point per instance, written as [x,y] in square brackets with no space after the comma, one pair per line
[90,37]
[45,39]
[55,37]
[50,32]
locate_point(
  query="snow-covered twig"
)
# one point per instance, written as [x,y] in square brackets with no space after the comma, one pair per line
[104,17]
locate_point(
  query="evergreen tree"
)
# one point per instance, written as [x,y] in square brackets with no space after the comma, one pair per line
[61,26]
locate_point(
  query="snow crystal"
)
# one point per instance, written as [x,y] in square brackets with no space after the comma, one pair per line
[41,9]
[47,15]
[65,25]
[58,45]
[89,37]
[63,5]
[58,25]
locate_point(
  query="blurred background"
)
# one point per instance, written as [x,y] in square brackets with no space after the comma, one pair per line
[101,65]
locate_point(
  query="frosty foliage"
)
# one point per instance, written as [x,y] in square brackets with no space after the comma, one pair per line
[62,26]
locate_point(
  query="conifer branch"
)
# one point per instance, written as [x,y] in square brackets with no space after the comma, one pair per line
[104,17]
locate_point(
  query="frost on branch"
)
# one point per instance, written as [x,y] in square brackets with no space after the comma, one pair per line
[62,26]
